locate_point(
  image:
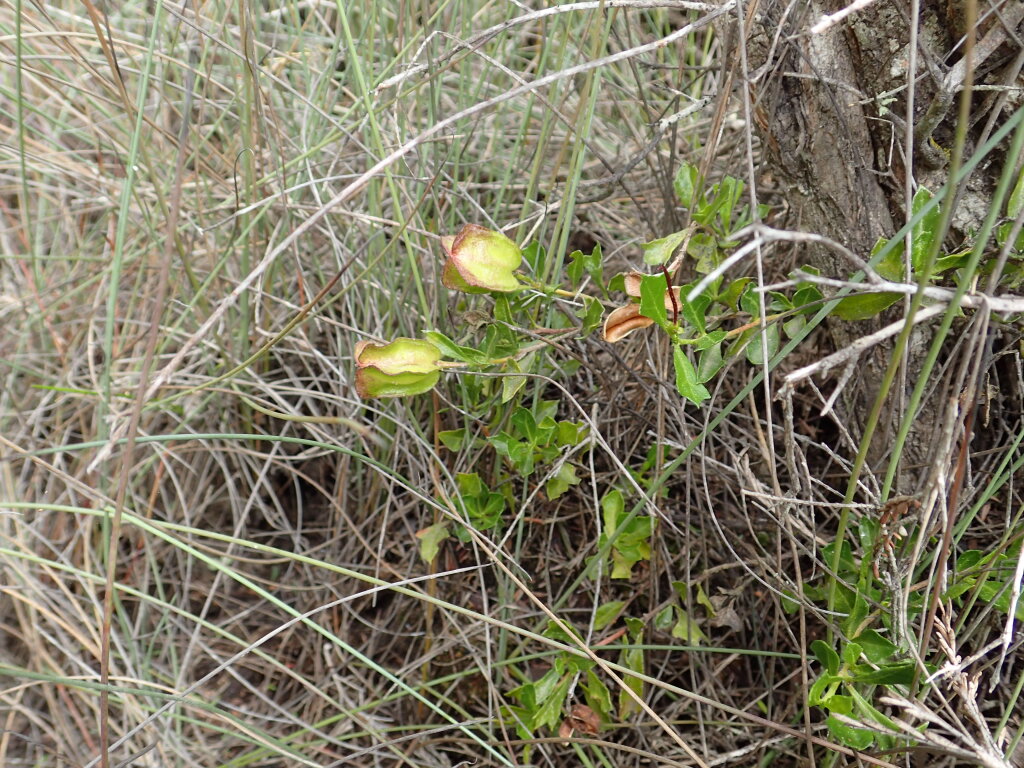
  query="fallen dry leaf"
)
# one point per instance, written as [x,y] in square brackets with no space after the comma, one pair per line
[589,720]
[581,718]
[726,615]
[623,321]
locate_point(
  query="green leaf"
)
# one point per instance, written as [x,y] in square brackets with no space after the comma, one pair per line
[703,249]
[951,261]
[1016,200]
[597,696]
[867,711]
[510,385]
[452,439]
[550,711]
[750,302]
[730,296]
[574,664]
[852,624]
[789,605]
[570,433]
[686,628]
[555,632]
[710,363]
[665,618]
[631,546]
[900,673]
[525,694]
[546,409]
[522,457]
[470,484]
[519,453]
[970,558]
[658,252]
[780,302]
[631,658]
[818,696]
[728,191]
[561,481]
[502,308]
[547,430]
[632,543]
[865,305]
[842,705]
[499,341]
[694,312]
[575,269]
[858,738]
[877,649]
[591,313]
[535,255]
[595,264]
[624,558]
[519,717]
[851,653]
[526,426]
[652,299]
[709,340]
[794,325]
[607,613]
[702,599]
[755,349]
[687,383]
[892,266]
[807,298]
[847,565]
[548,683]
[430,540]
[998,593]
[455,351]
[592,264]
[612,505]
[635,629]
[686,185]
[826,656]
[637,531]
[704,214]
[845,598]
[924,232]
[486,512]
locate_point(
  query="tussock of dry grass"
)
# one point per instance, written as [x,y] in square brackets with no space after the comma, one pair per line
[267,603]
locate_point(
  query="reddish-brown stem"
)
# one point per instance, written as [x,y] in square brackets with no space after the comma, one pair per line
[671,295]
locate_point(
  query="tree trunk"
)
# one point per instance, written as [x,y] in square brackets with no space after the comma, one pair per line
[829,111]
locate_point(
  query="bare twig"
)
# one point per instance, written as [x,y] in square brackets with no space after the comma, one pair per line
[829,19]
[858,347]
[1006,303]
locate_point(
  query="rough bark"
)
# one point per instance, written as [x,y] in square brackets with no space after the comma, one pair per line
[828,112]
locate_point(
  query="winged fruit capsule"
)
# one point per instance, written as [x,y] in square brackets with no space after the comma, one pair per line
[396,369]
[480,260]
